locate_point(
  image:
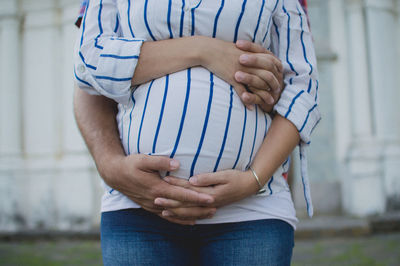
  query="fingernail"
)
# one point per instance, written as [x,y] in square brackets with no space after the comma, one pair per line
[244,58]
[211,214]
[270,100]
[245,96]
[166,179]
[193,180]
[240,42]
[174,164]
[166,213]
[210,200]
[157,201]
[239,76]
[250,107]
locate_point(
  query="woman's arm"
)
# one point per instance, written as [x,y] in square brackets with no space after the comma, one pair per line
[297,114]
[111,64]
[233,185]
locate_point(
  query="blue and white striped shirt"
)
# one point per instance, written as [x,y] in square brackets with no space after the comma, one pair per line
[193,115]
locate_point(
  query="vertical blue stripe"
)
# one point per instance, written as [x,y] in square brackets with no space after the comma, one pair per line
[259,18]
[203,133]
[302,41]
[116,24]
[161,113]
[146,22]
[255,137]
[193,17]
[269,184]
[241,141]
[315,125]
[100,26]
[239,20]
[316,91]
[169,20]
[80,53]
[269,21]
[292,103]
[178,137]
[217,17]
[277,33]
[309,86]
[144,112]
[308,115]
[228,120]
[182,18]
[130,123]
[288,41]
[266,125]
[84,23]
[304,186]
[129,18]
[122,124]
[193,21]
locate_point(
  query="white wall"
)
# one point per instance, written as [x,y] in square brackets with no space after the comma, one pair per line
[48,181]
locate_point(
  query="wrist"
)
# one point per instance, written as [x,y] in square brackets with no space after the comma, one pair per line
[252,185]
[109,168]
[202,49]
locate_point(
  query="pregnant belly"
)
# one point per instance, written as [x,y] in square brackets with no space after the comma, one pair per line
[194,117]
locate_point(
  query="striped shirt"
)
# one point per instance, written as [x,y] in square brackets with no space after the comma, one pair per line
[192,115]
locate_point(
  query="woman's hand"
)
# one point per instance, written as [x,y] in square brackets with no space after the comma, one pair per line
[248,67]
[224,186]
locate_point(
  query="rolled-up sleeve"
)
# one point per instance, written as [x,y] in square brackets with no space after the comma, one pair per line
[292,42]
[105,61]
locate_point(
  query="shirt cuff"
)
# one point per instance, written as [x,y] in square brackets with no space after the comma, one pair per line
[300,108]
[115,68]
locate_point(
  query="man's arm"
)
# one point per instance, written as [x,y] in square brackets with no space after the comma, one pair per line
[136,176]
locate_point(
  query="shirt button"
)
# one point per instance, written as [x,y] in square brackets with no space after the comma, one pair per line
[81,69]
[187,9]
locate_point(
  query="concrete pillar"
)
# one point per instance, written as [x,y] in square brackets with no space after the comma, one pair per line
[363,187]
[381,20]
[10,112]
[10,115]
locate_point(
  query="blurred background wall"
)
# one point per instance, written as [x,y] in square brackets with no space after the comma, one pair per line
[49,182]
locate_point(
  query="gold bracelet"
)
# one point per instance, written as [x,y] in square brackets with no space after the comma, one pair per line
[262,189]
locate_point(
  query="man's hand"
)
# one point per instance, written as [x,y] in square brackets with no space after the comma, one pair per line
[265,78]
[258,74]
[137,177]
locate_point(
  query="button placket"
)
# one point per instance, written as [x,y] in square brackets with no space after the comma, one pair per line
[188,18]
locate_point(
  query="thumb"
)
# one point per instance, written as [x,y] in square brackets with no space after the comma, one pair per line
[156,163]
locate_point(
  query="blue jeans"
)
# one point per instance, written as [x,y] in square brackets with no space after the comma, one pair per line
[138,237]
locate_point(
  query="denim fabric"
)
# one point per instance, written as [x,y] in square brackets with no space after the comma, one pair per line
[137,237]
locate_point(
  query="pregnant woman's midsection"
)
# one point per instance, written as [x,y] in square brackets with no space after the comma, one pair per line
[195,117]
